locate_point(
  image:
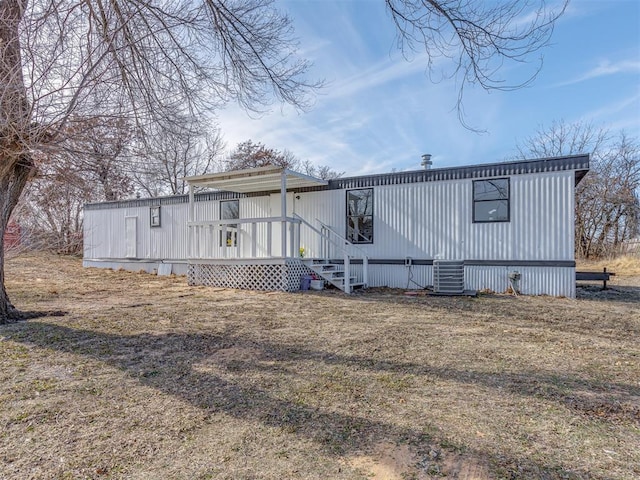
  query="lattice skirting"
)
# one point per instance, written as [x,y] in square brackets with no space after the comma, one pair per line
[277,276]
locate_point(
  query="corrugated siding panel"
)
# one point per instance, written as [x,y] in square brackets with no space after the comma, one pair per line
[434,220]
[255,207]
[329,207]
[556,281]
[399,276]
[420,220]
[170,239]
[542,217]
[104,233]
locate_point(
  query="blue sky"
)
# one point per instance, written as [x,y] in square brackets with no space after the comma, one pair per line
[379,112]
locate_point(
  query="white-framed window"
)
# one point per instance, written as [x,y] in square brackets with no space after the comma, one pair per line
[360,215]
[491,200]
[230,210]
[154,216]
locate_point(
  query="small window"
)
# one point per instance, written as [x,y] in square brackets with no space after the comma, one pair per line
[360,215]
[230,210]
[491,200]
[154,216]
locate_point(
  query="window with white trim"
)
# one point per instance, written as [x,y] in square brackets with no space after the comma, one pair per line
[154,216]
[230,210]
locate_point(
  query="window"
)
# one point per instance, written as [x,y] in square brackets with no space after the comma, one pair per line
[491,200]
[360,215]
[230,210]
[154,216]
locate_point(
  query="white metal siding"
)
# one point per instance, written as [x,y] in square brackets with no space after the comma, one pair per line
[556,281]
[170,239]
[421,220]
[105,233]
[327,206]
[542,217]
[255,207]
[434,220]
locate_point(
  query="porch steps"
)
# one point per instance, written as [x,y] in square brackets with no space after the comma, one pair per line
[334,274]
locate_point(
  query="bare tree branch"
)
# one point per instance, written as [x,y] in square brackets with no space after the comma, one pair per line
[480,37]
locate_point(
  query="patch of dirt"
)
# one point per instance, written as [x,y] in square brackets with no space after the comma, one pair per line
[389,461]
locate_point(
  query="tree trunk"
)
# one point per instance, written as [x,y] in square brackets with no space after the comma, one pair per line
[16,162]
[11,186]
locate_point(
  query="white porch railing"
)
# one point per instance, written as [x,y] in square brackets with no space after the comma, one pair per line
[250,238]
[256,238]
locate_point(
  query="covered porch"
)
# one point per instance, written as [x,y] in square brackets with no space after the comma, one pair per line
[253,240]
[232,234]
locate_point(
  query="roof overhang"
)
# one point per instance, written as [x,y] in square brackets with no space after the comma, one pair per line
[262,179]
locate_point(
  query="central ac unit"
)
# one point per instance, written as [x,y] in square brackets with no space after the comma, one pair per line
[448,276]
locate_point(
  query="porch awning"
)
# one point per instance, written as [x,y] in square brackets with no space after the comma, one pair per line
[262,179]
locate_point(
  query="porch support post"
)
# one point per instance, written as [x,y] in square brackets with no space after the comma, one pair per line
[283,206]
[191,219]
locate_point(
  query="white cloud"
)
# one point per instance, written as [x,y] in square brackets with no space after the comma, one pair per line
[378,74]
[603,69]
[619,115]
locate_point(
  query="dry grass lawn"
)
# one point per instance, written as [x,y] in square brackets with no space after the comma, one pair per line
[147,378]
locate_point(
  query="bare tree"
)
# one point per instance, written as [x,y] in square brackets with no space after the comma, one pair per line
[99,148]
[562,138]
[167,155]
[63,62]
[479,36]
[608,198]
[248,154]
[320,171]
[90,168]
[50,211]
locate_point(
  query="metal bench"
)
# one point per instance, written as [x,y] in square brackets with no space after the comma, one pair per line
[602,276]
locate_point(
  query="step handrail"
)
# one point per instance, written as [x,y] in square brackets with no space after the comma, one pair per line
[322,234]
[344,245]
[304,222]
[346,242]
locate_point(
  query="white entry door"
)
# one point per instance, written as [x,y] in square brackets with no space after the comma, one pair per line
[131,236]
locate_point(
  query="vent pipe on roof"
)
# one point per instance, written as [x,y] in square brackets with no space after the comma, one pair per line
[426,161]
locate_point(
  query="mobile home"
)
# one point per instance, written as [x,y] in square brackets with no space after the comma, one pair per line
[481,227]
